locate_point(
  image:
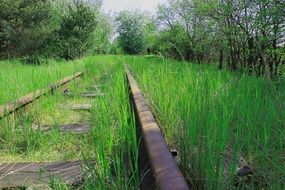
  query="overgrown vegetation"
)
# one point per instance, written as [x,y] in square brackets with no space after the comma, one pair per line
[32,30]
[227,127]
[240,35]
[109,147]
[19,79]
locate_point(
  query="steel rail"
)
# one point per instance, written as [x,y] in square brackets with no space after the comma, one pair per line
[164,168]
[11,107]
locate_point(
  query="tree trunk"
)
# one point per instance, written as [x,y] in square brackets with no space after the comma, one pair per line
[232,55]
[221,59]
[250,59]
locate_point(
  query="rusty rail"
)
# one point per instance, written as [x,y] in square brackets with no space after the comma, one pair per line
[164,168]
[13,106]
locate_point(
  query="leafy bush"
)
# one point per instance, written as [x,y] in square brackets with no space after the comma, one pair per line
[24,26]
[76,30]
[36,29]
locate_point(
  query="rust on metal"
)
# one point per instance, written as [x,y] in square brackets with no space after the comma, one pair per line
[13,106]
[164,168]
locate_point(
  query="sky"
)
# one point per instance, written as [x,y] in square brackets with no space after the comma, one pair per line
[118,5]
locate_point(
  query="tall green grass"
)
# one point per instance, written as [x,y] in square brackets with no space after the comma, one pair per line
[22,135]
[17,79]
[218,120]
[111,144]
[114,134]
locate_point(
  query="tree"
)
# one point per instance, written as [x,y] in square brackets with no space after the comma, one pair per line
[102,34]
[36,29]
[248,34]
[252,30]
[186,32]
[131,34]
[151,35]
[24,26]
[75,36]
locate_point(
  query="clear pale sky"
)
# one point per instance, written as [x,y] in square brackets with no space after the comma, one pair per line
[118,5]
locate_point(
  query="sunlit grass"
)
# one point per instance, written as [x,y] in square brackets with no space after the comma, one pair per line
[115,145]
[215,118]
[111,142]
[17,79]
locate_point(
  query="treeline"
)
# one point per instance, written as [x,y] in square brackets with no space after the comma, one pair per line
[38,29]
[238,34]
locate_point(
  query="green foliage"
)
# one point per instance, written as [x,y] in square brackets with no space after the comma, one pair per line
[240,34]
[76,30]
[24,26]
[253,34]
[131,33]
[152,42]
[116,48]
[219,121]
[37,29]
[173,42]
[101,35]
[184,34]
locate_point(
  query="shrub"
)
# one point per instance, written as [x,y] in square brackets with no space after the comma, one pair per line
[76,30]
[24,27]
[131,34]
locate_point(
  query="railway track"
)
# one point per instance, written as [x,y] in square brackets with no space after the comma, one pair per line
[12,107]
[39,175]
[164,172]
[164,169]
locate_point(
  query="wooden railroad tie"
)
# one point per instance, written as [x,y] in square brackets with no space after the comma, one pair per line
[68,128]
[15,175]
[77,107]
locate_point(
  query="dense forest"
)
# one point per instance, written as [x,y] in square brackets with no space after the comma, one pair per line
[236,34]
